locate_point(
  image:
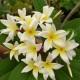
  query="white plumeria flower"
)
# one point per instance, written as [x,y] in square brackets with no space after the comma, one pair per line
[66,53]
[45,16]
[49,66]
[22,15]
[31,50]
[11,27]
[52,36]
[47,11]
[13,52]
[30,31]
[32,65]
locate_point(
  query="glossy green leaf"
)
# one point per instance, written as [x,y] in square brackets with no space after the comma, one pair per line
[73,25]
[17,75]
[6,76]
[6,66]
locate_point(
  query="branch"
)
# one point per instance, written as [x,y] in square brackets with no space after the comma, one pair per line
[3,49]
[71,13]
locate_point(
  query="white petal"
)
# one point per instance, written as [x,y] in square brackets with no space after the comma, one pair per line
[35,73]
[51,74]
[59,42]
[29,56]
[50,27]
[45,75]
[24,11]
[49,20]
[72,52]
[21,14]
[11,35]
[60,31]
[39,57]
[72,45]
[54,54]
[25,26]
[47,45]
[16,44]
[48,10]
[38,46]
[24,60]
[11,20]
[19,35]
[43,27]
[5,31]
[37,15]
[8,45]
[20,46]
[8,39]
[57,66]
[34,24]
[35,57]
[16,18]
[27,69]
[21,22]
[23,36]
[23,50]
[5,22]
[16,57]
[43,34]
[64,58]
[11,54]
[69,56]
[49,57]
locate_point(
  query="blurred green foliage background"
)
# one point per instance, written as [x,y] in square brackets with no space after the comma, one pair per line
[11,6]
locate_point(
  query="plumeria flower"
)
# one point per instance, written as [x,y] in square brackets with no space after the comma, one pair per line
[47,11]
[13,52]
[52,36]
[22,15]
[30,31]
[31,50]
[45,16]
[32,65]
[11,27]
[66,53]
[49,66]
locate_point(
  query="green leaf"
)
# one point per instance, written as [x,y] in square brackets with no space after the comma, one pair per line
[61,75]
[73,25]
[2,38]
[2,26]
[75,66]
[6,66]
[6,76]
[17,75]
[38,4]
[12,2]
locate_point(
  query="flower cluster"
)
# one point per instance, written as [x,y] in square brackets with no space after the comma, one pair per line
[31,29]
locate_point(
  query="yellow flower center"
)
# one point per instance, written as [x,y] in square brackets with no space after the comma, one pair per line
[29,21]
[48,65]
[31,32]
[32,49]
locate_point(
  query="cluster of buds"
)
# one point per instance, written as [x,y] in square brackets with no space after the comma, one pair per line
[31,29]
